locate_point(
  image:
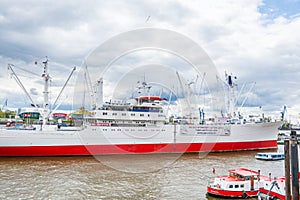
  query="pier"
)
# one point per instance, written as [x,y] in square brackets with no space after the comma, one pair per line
[291,167]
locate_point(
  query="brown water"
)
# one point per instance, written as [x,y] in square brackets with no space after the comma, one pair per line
[164,176]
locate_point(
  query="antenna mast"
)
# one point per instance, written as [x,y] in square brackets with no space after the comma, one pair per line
[46,77]
[231,86]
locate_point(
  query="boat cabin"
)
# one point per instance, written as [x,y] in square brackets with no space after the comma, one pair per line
[243,174]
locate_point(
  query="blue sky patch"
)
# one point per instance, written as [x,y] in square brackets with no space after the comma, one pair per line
[276,8]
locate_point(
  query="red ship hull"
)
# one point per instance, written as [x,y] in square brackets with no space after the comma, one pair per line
[231,194]
[78,150]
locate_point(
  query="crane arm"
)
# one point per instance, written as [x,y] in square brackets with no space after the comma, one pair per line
[14,75]
[62,89]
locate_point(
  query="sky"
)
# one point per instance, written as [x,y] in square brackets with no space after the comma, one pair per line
[256,40]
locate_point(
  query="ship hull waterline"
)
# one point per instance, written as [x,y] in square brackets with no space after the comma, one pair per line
[83,150]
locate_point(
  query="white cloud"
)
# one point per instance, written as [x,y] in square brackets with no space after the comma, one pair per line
[234,33]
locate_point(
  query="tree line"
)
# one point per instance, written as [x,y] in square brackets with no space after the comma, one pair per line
[7,114]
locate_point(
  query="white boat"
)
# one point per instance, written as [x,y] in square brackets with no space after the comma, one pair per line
[270,156]
[132,128]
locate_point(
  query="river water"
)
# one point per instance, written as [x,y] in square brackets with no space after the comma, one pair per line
[161,176]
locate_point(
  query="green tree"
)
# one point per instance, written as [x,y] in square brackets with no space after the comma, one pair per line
[2,114]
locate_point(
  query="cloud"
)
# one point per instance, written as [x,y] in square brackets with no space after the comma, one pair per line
[243,37]
[34,91]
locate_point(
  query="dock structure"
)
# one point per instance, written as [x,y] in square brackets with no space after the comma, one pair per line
[287,169]
[291,167]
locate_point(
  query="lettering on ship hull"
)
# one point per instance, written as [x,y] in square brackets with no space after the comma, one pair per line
[213,130]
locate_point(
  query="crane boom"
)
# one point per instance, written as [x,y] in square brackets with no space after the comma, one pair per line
[14,75]
[62,89]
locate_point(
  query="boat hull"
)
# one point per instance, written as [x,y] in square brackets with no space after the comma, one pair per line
[265,194]
[146,140]
[231,194]
[269,159]
[72,150]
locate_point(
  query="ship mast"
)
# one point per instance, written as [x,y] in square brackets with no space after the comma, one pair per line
[231,85]
[46,77]
[96,92]
[99,93]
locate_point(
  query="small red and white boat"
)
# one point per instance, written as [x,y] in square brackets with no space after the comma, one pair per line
[240,183]
[273,189]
